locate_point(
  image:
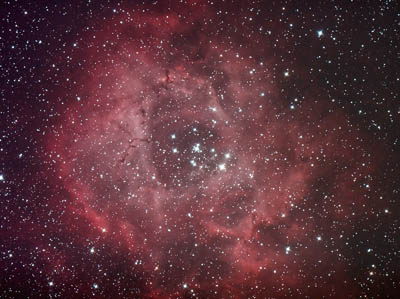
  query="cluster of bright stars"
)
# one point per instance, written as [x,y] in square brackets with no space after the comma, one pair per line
[197,148]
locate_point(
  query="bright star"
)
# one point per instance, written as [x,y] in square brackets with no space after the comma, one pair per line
[196,148]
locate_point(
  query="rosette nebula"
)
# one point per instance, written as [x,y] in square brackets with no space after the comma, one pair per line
[197,149]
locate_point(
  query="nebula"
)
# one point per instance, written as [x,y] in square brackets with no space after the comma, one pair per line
[188,174]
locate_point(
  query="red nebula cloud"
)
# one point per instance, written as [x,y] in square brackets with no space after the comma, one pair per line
[178,154]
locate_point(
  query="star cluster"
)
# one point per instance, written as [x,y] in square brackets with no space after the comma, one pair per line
[199,149]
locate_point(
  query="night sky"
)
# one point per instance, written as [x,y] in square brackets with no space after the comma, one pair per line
[200,149]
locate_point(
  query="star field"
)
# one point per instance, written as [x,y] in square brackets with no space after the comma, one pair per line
[199,149]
